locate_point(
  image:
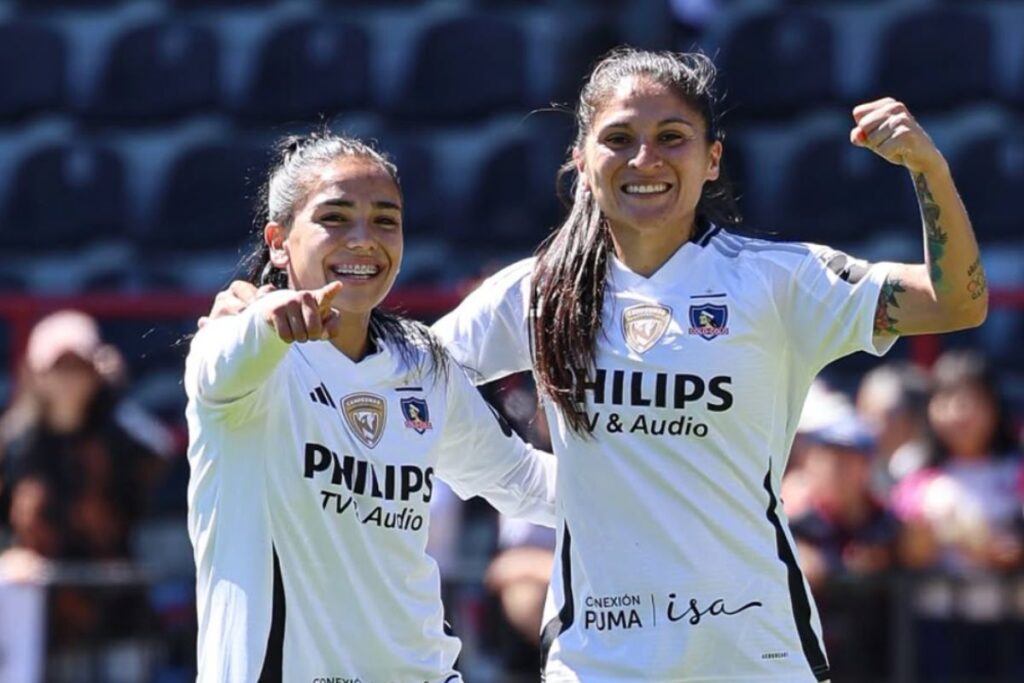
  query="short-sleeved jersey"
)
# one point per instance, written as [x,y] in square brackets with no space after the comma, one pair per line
[319,470]
[675,561]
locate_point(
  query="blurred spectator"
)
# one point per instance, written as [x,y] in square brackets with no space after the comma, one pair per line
[893,400]
[963,512]
[962,518]
[822,407]
[845,529]
[847,540]
[75,474]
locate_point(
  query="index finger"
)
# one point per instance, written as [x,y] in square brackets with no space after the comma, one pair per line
[325,295]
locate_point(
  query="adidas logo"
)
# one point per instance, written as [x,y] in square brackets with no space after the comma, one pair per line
[322,396]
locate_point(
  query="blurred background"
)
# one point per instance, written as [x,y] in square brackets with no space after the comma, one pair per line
[134,136]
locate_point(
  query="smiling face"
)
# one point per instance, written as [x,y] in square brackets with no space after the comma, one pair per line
[646,159]
[349,229]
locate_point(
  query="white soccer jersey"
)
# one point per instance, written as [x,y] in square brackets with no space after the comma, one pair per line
[675,561]
[320,471]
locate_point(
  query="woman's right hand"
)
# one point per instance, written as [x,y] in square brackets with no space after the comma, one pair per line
[303,315]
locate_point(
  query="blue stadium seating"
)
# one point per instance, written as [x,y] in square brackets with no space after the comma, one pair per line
[208,198]
[936,58]
[32,69]
[310,67]
[990,177]
[834,192]
[778,62]
[464,68]
[505,207]
[417,173]
[157,72]
[65,196]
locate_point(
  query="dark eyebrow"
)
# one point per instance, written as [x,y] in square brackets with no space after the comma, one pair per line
[674,119]
[348,204]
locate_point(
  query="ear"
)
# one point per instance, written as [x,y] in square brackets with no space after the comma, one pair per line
[714,161]
[581,170]
[274,235]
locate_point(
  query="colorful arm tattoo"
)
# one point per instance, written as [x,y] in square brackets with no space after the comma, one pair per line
[885,322]
[936,239]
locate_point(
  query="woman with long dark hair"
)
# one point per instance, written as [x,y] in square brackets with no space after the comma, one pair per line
[674,357]
[313,462]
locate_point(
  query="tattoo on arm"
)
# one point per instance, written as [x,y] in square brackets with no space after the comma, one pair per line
[885,322]
[977,284]
[936,238]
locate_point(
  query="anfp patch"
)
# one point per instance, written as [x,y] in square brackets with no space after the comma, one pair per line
[365,414]
[644,324]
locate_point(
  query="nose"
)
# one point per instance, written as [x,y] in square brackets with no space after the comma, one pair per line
[360,237]
[646,157]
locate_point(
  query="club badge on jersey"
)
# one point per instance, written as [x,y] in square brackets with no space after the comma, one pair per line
[417,415]
[644,324]
[365,414]
[708,321]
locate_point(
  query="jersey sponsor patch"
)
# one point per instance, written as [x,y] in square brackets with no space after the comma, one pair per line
[417,415]
[644,324]
[708,321]
[365,414]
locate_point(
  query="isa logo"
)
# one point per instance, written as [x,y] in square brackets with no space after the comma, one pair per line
[417,416]
[709,320]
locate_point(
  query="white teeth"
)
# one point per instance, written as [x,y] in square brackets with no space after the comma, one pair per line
[646,189]
[363,269]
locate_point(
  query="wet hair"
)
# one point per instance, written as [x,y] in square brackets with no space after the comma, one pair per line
[287,188]
[571,270]
[960,368]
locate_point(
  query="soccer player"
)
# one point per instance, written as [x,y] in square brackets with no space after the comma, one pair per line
[313,463]
[674,358]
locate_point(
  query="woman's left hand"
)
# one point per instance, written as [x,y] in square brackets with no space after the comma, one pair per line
[888,129]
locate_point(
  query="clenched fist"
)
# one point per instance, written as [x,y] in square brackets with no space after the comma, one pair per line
[889,130]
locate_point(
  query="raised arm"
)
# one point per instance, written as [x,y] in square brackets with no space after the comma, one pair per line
[233,355]
[948,291]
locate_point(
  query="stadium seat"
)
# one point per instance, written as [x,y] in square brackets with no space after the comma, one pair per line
[835,193]
[575,52]
[49,5]
[990,177]
[310,67]
[219,4]
[417,173]
[777,63]
[32,69]
[64,196]
[208,200]
[936,58]
[464,68]
[505,207]
[158,71]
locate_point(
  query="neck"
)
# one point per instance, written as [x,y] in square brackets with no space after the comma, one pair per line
[353,337]
[645,251]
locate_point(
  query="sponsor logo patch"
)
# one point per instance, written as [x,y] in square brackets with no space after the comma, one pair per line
[709,320]
[644,324]
[365,414]
[417,416]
